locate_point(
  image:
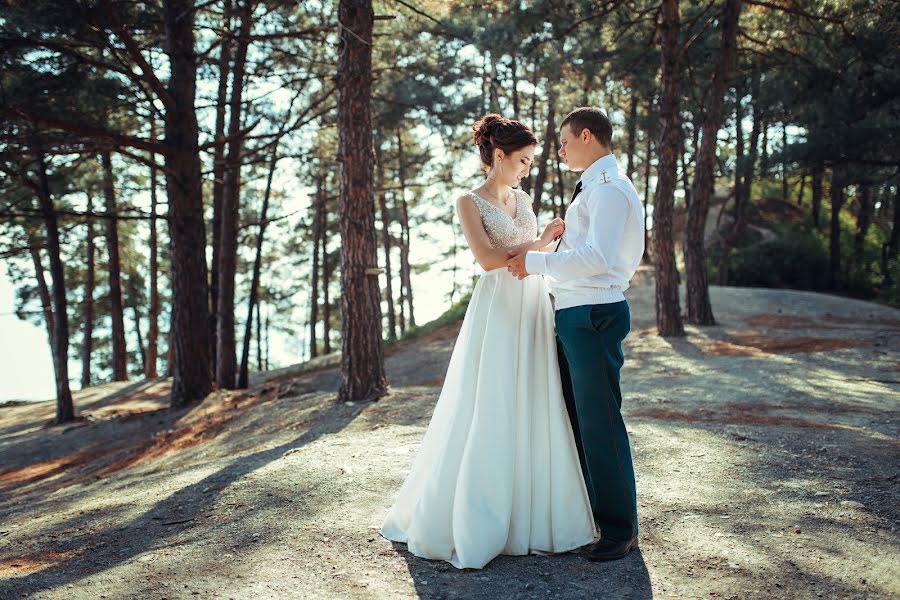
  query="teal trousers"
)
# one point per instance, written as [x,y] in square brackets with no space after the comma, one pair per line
[589,344]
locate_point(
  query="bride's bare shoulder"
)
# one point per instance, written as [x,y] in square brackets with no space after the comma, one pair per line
[466,199]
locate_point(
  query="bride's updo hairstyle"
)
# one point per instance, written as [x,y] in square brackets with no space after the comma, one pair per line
[493,131]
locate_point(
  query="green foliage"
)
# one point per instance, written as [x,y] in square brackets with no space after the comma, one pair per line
[796,261]
[890,293]
[453,314]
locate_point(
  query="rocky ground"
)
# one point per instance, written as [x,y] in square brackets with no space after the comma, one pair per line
[766,452]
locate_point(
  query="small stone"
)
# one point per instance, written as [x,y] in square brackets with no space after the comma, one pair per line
[797,530]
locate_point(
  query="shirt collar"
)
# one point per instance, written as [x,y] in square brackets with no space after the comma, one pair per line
[606,163]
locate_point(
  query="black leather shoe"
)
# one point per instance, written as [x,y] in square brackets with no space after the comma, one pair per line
[609,549]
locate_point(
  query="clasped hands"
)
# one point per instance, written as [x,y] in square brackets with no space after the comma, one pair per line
[515,259]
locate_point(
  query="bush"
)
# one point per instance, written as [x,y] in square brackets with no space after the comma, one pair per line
[799,261]
[890,293]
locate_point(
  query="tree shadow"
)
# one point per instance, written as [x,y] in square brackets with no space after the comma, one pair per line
[542,576]
[165,519]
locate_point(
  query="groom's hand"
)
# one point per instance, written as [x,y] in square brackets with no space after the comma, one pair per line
[515,264]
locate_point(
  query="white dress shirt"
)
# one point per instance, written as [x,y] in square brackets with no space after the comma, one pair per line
[603,243]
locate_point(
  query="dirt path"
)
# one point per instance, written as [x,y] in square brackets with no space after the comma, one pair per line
[767,452]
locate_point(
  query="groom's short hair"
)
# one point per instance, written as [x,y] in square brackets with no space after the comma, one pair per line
[592,119]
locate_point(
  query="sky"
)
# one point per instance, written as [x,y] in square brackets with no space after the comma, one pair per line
[26,370]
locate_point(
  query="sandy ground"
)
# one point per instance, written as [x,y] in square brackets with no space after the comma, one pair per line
[766,452]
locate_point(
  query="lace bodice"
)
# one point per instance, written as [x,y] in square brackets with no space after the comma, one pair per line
[503,231]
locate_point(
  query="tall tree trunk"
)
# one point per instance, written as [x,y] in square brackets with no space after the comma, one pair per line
[34,246]
[647,163]
[494,83]
[863,220]
[802,189]
[744,171]
[784,170]
[224,68]
[668,309]
[632,134]
[327,270]
[116,306]
[259,344]
[817,173]
[87,307]
[549,137]
[65,410]
[837,202]
[140,339]
[514,70]
[226,360]
[893,244]
[699,308]
[404,223]
[318,242]
[153,316]
[560,191]
[386,245]
[362,354]
[267,342]
[191,376]
[243,376]
[685,177]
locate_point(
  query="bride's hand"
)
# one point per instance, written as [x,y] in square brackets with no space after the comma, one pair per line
[554,229]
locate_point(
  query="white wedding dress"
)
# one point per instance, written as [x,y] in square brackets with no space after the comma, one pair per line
[497,471]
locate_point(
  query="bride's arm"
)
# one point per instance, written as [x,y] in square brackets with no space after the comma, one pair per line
[487,256]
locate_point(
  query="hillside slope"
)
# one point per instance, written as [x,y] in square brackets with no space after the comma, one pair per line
[766,452]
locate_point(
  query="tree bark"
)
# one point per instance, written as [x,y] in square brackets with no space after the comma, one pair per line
[699,308]
[863,220]
[647,163]
[743,188]
[386,246]
[784,171]
[317,231]
[34,247]
[632,135]
[191,376]
[224,67]
[140,339]
[153,315]
[549,137]
[837,202]
[893,244]
[259,345]
[65,410]
[668,309]
[116,306]
[362,355]
[244,376]
[406,271]
[87,307]
[560,191]
[226,360]
[685,177]
[817,173]
[327,270]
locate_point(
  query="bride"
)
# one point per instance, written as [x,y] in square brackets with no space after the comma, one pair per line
[497,471]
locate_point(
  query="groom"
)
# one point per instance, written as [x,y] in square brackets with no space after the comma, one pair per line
[591,267]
